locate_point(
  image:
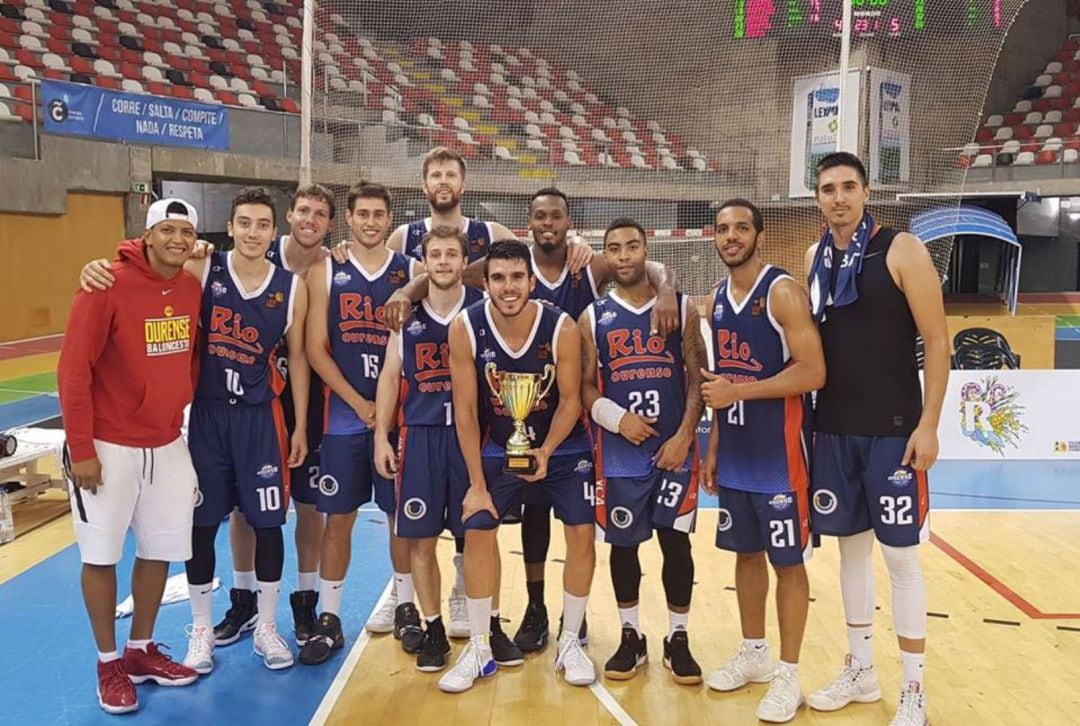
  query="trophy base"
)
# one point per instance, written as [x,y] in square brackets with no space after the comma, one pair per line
[520,464]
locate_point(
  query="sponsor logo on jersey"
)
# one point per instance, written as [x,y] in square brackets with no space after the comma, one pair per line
[735,353]
[543,351]
[328,485]
[217,289]
[416,327]
[583,465]
[901,477]
[723,520]
[487,355]
[274,299]
[267,472]
[991,414]
[622,517]
[718,311]
[607,318]
[167,335]
[227,327]
[414,508]
[477,245]
[342,278]
[780,502]
[758,306]
[824,501]
[397,277]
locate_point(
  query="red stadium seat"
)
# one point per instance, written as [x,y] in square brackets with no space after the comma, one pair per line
[1046,157]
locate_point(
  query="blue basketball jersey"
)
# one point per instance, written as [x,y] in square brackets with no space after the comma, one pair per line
[570,293]
[276,252]
[240,332]
[496,426]
[762,443]
[643,373]
[479,234]
[425,363]
[358,334]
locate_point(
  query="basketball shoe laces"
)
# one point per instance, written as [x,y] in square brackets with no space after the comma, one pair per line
[910,708]
[116,678]
[572,656]
[847,680]
[199,645]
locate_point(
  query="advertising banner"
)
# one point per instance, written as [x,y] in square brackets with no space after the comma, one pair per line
[815,125]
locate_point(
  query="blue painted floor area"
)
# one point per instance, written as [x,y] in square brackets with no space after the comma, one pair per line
[48,653]
[995,485]
[28,411]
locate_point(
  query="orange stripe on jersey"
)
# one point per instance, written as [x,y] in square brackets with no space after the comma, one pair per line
[277,381]
[283,444]
[402,435]
[691,501]
[600,492]
[798,476]
[922,487]
[403,391]
[802,499]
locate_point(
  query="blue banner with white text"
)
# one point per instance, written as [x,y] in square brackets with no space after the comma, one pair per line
[82,110]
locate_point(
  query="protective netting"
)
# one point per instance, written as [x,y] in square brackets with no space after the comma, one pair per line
[656,107]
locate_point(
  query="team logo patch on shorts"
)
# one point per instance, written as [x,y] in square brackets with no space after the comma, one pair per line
[198,498]
[328,485]
[268,471]
[342,278]
[781,502]
[622,517]
[723,520]
[414,508]
[901,478]
[583,465]
[824,501]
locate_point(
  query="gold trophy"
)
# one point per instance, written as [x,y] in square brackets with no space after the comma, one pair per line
[520,393]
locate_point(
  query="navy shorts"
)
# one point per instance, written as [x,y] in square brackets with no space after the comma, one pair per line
[857,483]
[569,486]
[431,483]
[628,509]
[239,452]
[305,478]
[778,524]
[347,476]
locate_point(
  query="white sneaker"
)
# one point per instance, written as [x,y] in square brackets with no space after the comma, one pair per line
[382,620]
[748,665]
[458,627]
[912,708]
[577,669]
[200,651]
[853,684]
[271,647]
[783,698]
[474,662]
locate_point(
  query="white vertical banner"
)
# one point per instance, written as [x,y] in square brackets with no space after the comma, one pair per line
[890,127]
[815,124]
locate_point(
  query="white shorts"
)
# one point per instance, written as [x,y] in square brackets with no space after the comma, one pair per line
[152,491]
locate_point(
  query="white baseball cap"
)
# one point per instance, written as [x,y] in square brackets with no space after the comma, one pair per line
[172,208]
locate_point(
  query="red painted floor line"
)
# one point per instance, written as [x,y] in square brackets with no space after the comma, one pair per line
[21,348]
[997,585]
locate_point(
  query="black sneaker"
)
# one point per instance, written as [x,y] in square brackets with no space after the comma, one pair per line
[407,627]
[533,633]
[240,618]
[303,614]
[677,659]
[583,634]
[632,653]
[325,638]
[435,648]
[503,650]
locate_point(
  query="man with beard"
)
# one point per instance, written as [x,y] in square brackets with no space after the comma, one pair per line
[767,355]
[644,391]
[873,290]
[519,335]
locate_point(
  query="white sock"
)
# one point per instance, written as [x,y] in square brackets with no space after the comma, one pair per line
[758,645]
[244,580]
[479,616]
[108,657]
[138,644]
[913,667]
[459,573]
[201,610]
[307,581]
[861,645]
[330,595]
[792,668]
[573,612]
[629,618]
[267,597]
[677,621]
[403,585]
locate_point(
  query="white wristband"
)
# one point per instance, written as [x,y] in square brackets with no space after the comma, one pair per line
[608,414]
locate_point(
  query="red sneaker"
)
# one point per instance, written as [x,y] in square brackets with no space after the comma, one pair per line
[115,691]
[153,665]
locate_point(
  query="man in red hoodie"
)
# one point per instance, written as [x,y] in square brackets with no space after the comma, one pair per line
[124,378]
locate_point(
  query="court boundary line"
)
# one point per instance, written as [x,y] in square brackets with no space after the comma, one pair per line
[337,686]
[1006,592]
[611,704]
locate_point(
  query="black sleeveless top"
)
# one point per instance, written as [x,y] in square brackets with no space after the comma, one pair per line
[872,378]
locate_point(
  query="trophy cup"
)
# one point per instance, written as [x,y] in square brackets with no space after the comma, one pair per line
[520,393]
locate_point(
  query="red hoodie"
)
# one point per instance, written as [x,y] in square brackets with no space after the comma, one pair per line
[125,367]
